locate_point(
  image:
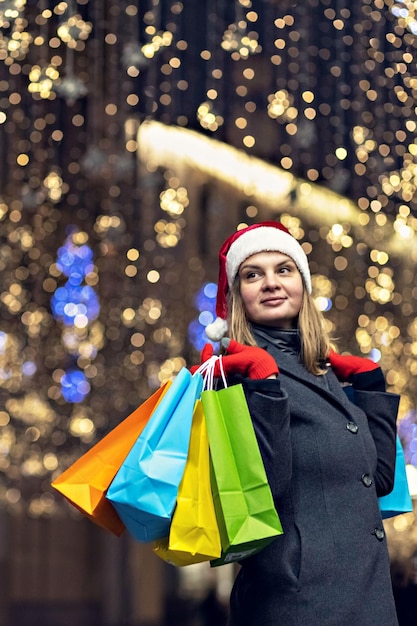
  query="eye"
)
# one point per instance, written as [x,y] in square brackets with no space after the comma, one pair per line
[250,274]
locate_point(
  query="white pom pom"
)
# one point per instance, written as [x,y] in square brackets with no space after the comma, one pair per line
[217,329]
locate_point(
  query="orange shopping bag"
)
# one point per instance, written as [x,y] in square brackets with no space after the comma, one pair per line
[86,481]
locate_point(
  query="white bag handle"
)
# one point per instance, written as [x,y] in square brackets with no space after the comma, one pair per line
[206,369]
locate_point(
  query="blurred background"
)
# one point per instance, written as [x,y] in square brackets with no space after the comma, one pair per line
[134,137]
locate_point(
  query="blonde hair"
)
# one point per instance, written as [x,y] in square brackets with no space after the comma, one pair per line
[315,343]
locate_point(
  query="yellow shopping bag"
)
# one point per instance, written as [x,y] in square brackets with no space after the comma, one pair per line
[84,484]
[194,535]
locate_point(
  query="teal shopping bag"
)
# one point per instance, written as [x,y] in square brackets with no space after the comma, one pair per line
[399,500]
[145,488]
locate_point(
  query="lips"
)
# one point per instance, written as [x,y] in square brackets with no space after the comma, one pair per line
[273,301]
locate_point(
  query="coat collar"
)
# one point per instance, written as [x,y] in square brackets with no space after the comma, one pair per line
[291,366]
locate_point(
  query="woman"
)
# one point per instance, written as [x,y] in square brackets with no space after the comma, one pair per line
[327,459]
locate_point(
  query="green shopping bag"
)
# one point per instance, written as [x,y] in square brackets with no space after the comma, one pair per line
[246,515]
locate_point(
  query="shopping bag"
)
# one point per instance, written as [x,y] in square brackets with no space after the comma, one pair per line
[145,488]
[194,533]
[246,514]
[86,481]
[399,500]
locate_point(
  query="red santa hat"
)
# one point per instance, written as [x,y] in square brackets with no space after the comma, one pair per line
[262,237]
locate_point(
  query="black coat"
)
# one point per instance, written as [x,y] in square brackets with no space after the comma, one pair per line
[327,462]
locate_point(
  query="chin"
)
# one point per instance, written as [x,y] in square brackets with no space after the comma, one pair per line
[277,323]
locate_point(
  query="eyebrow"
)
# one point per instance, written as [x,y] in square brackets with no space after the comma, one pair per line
[253,266]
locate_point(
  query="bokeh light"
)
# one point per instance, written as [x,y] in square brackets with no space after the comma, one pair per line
[132,144]
[205,303]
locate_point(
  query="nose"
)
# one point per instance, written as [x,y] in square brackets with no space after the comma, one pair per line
[271,281]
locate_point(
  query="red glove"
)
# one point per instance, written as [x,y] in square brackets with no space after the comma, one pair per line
[248,361]
[206,353]
[345,366]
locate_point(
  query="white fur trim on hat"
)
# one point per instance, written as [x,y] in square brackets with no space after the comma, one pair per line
[266,239]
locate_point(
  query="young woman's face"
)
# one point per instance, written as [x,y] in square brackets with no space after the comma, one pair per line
[271,289]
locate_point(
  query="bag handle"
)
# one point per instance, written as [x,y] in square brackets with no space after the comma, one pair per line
[206,369]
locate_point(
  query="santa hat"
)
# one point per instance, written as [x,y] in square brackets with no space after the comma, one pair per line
[262,237]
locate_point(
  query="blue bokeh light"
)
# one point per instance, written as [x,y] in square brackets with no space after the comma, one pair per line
[210,290]
[75,304]
[205,318]
[69,301]
[75,260]
[205,302]
[206,297]
[74,385]
[375,355]
[29,368]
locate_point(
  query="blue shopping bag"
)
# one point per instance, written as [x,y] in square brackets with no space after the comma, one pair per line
[399,500]
[145,489]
